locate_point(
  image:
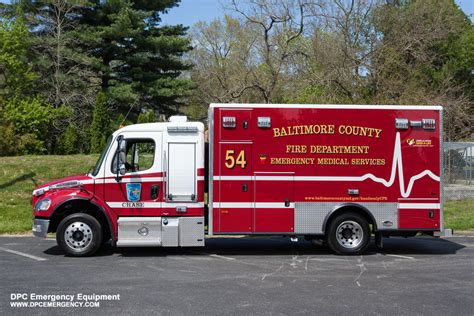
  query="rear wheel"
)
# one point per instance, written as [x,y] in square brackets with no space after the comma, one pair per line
[348,234]
[79,235]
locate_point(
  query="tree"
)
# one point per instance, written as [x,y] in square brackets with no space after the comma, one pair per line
[66,77]
[224,62]
[100,128]
[147,117]
[139,61]
[426,57]
[278,26]
[16,76]
[26,119]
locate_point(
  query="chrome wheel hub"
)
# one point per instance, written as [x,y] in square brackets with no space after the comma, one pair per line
[78,236]
[349,234]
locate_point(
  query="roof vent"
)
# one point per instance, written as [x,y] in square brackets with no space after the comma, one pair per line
[178,119]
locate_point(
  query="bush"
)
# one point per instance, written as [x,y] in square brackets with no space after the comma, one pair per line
[68,143]
[26,124]
[100,128]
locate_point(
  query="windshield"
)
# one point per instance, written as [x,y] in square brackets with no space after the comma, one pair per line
[101,158]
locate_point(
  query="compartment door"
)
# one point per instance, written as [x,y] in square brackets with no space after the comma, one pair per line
[235,206]
[274,202]
[181,172]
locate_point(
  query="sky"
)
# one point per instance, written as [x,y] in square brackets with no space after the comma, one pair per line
[191,11]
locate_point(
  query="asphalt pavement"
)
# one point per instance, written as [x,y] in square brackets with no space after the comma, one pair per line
[240,276]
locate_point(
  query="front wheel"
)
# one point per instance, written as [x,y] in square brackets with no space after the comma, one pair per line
[348,234]
[79,235]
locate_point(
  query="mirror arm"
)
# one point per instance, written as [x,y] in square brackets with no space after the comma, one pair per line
[118,178]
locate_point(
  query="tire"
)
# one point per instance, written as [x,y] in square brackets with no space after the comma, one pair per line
[348,234]
[79,235]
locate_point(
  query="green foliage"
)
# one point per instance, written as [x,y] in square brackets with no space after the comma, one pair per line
[139,62]
[15,72]
[147,117]
[62,53]
[29,115]
[100,128]
[8,140]
[69,141]
[28,122]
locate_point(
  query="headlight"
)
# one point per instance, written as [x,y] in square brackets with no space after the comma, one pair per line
[43,205]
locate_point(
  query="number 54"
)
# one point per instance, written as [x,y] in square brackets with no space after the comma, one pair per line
[230,161]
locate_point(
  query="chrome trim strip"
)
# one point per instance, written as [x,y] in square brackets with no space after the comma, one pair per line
[441,170]
[325,106]
[210,194]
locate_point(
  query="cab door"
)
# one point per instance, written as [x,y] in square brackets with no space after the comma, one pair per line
[235,187]
[139,192]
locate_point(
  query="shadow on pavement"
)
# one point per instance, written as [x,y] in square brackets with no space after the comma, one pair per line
[278,246]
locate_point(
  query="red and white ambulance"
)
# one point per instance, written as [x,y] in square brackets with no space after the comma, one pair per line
[337,173]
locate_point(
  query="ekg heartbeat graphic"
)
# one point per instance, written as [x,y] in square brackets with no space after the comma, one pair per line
[397,165]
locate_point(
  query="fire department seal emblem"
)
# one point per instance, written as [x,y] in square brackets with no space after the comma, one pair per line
[133,191]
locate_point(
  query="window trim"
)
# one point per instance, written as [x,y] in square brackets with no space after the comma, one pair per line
[143,140]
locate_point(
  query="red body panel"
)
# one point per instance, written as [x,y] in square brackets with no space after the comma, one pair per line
[317,155]
[419,219]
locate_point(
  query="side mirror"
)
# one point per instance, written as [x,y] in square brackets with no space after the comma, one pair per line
[122,169]
[120,158]
[122,145]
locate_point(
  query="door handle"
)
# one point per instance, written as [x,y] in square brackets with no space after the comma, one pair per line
[287,202]
[155,189]
[245,187]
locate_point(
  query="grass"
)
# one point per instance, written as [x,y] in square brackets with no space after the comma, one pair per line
[20,175]
[459,215]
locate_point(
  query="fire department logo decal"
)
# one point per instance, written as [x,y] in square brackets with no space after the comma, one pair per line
[133,191]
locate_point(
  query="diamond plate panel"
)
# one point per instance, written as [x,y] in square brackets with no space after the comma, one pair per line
[191,231]
[309,216]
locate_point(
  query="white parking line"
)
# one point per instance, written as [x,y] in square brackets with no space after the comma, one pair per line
[23,254]
[221,257]
[398,256]
[213,255]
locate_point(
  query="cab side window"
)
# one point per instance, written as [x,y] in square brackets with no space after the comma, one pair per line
[140,155]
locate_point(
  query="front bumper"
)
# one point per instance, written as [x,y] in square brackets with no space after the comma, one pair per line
[40,227]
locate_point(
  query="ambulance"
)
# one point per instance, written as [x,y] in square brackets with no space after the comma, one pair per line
[337,174]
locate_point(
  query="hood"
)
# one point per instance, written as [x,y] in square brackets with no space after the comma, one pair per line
[79,178]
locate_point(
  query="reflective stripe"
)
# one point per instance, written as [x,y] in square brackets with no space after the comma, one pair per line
[232,178]
[133,180]
[251,205]
[419,205]
[155,205]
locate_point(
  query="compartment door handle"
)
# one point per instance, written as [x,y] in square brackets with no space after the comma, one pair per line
[154,192]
